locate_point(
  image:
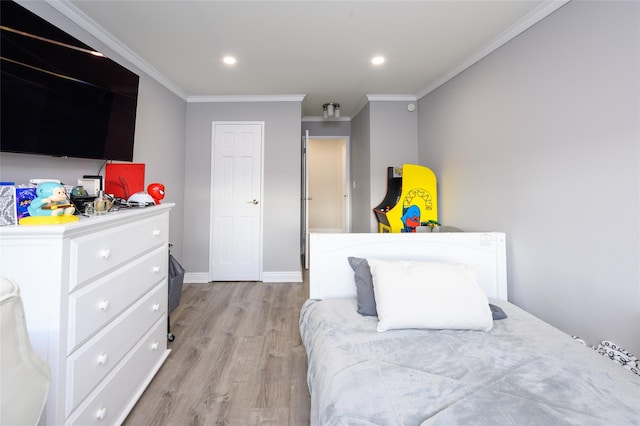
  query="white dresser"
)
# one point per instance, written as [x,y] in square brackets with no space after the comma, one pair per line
[95,297]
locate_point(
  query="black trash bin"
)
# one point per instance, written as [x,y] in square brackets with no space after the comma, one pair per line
[176,279]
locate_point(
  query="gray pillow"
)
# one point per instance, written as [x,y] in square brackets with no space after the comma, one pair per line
[496,312]
[364,286]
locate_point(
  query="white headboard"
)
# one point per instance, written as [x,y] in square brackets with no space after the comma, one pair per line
[331,276]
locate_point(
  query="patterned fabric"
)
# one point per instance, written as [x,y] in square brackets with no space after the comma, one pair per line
[615,353]
[619,355]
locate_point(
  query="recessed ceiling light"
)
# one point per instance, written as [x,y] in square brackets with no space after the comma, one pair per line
[229,60]
[377,60]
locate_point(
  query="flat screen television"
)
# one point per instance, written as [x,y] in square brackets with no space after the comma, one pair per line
[59,97]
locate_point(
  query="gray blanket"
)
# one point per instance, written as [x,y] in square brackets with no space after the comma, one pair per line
[523,372]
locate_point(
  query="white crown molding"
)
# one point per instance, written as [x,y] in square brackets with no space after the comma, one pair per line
[247,98]
[363,102]
[93,28]
[382,98]
[532,18]
[391,98]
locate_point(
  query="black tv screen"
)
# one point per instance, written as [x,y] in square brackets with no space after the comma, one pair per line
[59,97]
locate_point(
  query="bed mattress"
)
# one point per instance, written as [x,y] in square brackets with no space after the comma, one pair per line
[522,372]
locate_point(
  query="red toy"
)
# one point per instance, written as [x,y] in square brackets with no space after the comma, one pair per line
[156,190]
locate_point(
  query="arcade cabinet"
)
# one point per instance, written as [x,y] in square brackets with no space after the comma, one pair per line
[411,199]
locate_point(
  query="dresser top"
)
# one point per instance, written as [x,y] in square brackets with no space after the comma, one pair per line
[84,224]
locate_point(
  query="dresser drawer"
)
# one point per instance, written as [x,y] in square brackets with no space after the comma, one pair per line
[93,306]
[92,255]
[92,362]
[115,397]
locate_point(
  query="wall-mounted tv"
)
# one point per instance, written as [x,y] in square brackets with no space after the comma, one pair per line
[59,97]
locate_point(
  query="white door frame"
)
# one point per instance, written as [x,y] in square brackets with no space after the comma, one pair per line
[211,193]
[347,172]
[305,189]
[305,199]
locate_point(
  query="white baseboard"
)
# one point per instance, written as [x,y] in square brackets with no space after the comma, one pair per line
[267,277]
[196,277]
[282,277]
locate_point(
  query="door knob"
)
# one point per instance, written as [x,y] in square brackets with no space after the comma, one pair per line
[254,202]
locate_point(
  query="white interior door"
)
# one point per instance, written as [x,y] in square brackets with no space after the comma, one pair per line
[236,202]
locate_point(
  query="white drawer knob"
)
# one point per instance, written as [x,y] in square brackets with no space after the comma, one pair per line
[156,232]
[156,268]
[102,359]
[154,346]
[105,254]
[102,413]
[104,305]
[156,307]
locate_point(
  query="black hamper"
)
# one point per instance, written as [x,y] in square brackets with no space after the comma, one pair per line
[176,278]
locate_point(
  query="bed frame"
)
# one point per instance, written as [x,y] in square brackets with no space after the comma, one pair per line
[330,275]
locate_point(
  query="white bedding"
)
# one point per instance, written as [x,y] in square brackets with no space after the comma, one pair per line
[522,372]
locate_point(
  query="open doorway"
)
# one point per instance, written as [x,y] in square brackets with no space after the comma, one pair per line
[328,184]
[326,205]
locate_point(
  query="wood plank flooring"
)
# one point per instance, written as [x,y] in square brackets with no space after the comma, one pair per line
[237,359]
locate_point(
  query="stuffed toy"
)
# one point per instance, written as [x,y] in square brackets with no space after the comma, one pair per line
[51,200]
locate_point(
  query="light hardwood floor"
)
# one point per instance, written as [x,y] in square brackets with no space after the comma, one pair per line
[237,359]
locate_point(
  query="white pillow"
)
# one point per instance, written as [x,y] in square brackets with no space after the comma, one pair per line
[434,295]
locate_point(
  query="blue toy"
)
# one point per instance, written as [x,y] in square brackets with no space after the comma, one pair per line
[411,218]
[51,201]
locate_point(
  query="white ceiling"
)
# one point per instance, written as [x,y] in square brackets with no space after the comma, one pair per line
[321,49]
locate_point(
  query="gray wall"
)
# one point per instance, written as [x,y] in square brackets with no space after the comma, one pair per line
[393,142]
[541,140]
[327,128]
[361,171]
[282,174]
[159,136]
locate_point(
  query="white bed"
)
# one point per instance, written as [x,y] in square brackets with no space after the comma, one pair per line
[522,371]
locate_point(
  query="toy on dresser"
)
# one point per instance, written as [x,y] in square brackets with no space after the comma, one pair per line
[51,201]
[156,190]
